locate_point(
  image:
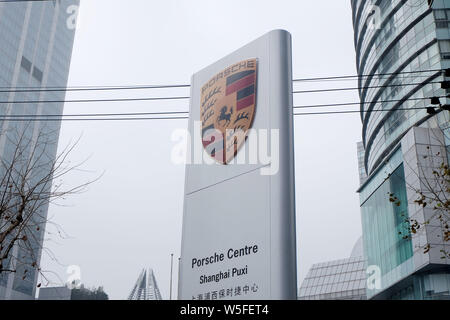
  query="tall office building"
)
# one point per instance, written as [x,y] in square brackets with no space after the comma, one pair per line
[146,287]
[402,48]
[36,39]
[343,279]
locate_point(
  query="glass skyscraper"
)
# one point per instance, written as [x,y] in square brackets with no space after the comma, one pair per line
[402,52]
[145,287]
[36,39]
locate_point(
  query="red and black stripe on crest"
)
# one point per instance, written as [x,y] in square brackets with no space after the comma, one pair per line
[244,84]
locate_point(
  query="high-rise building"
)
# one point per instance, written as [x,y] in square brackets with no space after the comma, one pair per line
[36,40]
[145,287]
[402,52]
[343,279]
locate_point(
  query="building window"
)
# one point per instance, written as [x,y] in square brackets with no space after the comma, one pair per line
[387,240]
[441,18]
[445,49]
[37,74]
[26,64]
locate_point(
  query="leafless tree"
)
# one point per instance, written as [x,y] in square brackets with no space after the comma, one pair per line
[31,177]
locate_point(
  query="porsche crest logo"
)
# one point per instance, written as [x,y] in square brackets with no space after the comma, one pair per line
[228,103]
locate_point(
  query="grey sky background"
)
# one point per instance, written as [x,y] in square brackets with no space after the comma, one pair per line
[131,218]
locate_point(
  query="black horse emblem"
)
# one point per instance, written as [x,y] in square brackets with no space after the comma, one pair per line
[224,116]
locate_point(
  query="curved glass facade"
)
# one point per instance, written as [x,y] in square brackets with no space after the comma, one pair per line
[402,50]
[394,39]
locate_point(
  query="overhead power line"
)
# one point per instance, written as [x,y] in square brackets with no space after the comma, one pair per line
[185,97]
[93,114]
[163,115]
[112,88]
[371,87]
[44,116]
[179,86]
[3,1]
[98,119]
[356,111]
[94,100]
[186,117]
[365,102]
[355,78]
[168,86]
[366,75]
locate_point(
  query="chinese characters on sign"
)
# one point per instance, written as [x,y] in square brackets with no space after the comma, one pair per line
[227,293]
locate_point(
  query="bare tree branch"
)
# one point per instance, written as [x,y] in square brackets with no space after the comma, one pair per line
[30,180]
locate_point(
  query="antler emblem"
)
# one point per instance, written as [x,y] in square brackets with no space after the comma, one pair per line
[228,103]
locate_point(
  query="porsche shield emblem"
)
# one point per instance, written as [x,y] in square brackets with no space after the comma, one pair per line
[228,103]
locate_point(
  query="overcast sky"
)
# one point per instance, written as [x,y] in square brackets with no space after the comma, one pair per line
[131,218]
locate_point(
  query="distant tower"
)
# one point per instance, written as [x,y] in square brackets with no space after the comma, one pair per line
[145,287]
